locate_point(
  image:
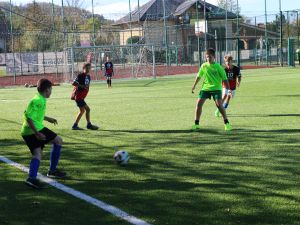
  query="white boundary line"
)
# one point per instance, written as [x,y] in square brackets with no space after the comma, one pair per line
[100,204]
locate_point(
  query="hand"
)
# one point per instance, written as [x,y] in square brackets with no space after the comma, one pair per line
[193,88]
[52,120]
[40,136]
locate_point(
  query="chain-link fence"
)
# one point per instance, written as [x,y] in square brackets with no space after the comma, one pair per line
[47,39]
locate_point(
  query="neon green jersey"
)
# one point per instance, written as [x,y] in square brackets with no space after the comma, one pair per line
[213,74]
[36,112]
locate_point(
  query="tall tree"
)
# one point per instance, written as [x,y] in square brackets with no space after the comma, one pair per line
[231,5]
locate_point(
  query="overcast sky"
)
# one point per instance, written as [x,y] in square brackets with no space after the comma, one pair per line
[113,9]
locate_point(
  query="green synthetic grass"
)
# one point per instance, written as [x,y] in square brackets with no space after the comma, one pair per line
[248,176]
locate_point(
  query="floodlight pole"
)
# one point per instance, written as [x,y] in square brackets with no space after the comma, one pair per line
[130,27]
[53,30]
[266,34]
[281,40]
[205,28]
[12,40]
[165,32]
[226,21]
[238,34]
[198,38]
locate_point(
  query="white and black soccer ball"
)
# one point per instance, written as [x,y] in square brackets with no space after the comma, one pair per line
[121,157]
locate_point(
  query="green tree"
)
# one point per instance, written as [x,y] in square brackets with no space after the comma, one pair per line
[230,5]
[135,40]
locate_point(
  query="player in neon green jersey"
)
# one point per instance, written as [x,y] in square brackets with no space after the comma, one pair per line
[213,74]
[36,135]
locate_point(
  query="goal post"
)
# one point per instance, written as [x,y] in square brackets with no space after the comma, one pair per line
[130,61]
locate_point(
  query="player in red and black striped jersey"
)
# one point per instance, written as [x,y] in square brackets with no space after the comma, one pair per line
[81,89]
[109,71]
[234,78]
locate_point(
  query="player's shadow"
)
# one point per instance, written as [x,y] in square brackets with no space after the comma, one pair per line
[264,115]
[268,131]
[163,131]
[10,142]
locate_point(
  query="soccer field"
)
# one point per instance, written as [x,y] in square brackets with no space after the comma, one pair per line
[250,175]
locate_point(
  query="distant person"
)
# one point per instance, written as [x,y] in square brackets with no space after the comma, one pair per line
[81,89]
[109,71]
[213,74]
[36,135]
[234,76]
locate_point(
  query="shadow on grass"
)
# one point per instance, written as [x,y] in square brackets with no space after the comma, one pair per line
[263,115]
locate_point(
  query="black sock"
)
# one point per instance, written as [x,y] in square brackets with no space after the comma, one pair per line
[196,122]
[109,82]
[226,121]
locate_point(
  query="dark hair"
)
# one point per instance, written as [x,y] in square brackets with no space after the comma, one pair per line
[86,65]
[211,51]
[43,84]
[228,58]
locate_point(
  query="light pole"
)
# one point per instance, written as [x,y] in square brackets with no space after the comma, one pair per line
[226,20]
[205,28]
[266,34]
[281,41]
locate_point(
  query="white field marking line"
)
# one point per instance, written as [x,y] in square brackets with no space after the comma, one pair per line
[100,204]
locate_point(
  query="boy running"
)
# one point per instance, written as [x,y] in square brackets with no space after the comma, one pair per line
[109,71]
[213,74]
[81,89]
[234,76]
[36,135]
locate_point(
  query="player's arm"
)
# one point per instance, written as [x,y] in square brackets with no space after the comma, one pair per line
[31,112]
[195,83]
[226,84]
[239,79]
[50,120]
[77,84]
[39,136]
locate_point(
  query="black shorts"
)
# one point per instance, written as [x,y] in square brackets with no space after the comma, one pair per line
[32,142]
[108,75]
[80,103]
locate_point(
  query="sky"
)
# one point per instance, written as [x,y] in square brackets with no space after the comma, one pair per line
[114,9]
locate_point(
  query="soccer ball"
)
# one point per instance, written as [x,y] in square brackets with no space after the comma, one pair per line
[121,157]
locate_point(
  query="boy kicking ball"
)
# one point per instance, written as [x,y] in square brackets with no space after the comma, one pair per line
[36,135]
[213,74]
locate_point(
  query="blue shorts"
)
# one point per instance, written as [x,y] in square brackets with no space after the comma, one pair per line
[80,103]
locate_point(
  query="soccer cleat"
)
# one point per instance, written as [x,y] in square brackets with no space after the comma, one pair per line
[56,174]
[196,127]
[227,127]
[92,127]
[76,127]
[34,183]
[217,113]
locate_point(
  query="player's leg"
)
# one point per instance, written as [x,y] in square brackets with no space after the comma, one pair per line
[198,112]
[80,104]
[110,81]
[87,113]
[226,101]
[107,81]
[223,113]
[224,96]
[34,165]
[88,119]
[36,147]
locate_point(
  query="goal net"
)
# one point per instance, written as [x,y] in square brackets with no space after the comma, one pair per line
[130,61]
